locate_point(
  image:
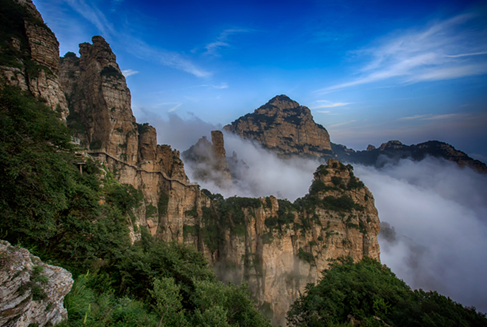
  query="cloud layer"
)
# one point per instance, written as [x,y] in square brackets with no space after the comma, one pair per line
[438,210]
[439,215]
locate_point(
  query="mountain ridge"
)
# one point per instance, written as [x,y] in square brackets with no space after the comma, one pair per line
[274,125]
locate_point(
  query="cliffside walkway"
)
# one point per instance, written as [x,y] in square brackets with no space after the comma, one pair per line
[96,153]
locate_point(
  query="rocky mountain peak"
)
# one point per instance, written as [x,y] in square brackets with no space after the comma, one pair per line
[285,127]
[394,144]
[100,49]
[282,102]
[208,160]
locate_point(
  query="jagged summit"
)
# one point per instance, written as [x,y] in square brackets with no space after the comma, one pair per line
[282,102]
[285,127]
[395,150]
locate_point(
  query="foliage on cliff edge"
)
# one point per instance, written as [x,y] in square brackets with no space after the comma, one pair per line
[369,292]
[68,219]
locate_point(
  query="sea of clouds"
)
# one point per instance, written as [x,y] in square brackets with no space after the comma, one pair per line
[434,226]
[433,213]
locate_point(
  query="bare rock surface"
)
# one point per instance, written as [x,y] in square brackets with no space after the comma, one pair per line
[34,64]
[285,127]
[31,292]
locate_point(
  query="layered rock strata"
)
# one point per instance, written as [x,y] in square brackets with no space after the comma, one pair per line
[101,117]
[31,292]
[279,247]
[94,83]
[285,127]
[30,55]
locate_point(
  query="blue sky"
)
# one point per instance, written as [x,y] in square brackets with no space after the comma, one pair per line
[371,71]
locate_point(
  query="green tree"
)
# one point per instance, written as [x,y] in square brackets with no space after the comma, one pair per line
[168,303]
[372,294]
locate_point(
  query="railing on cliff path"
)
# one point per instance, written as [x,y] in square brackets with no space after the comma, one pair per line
[93,153]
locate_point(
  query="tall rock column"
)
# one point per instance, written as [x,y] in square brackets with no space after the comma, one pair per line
[100,100]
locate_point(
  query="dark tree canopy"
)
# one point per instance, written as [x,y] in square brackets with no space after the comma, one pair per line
[371,293]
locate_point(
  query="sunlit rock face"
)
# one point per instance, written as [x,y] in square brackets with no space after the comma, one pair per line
[31,292]
[31,57]
[285,127]
[99,96]
[101,117]
[279,247]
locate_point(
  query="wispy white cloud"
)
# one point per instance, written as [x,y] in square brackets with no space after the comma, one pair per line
[341,124]
[221,86]
[431,117]
[137,47]
[175,107]
[144,51]
[467,54]
[450,72]
[324,111]
[444,49]
[332,105]
[446,116]
[129,72]
[95,16]
[222,41]
[414,117]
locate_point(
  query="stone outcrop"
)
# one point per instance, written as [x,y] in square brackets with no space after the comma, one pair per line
[279,247]
[274,245]
[101,117]
[285,127]
[99,100]
[30,58]
[208,161]
[31,292]
[395,150]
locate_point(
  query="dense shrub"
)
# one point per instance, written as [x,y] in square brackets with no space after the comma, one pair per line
[343,203]
[306,256]
[368,290]
[317,186]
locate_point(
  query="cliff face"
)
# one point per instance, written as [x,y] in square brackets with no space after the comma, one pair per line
[285,127]
[101,117]
[279,247]
[395,150]
[29,54]
[31,292]
[94,83]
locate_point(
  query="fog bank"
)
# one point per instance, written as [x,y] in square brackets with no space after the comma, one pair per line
[433,213]
[434,226]
[266,173]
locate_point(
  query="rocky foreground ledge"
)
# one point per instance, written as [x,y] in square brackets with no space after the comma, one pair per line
[31,292]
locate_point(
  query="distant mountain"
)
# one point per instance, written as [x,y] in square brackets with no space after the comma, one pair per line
[288,129]
[285,127]
[395,150]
